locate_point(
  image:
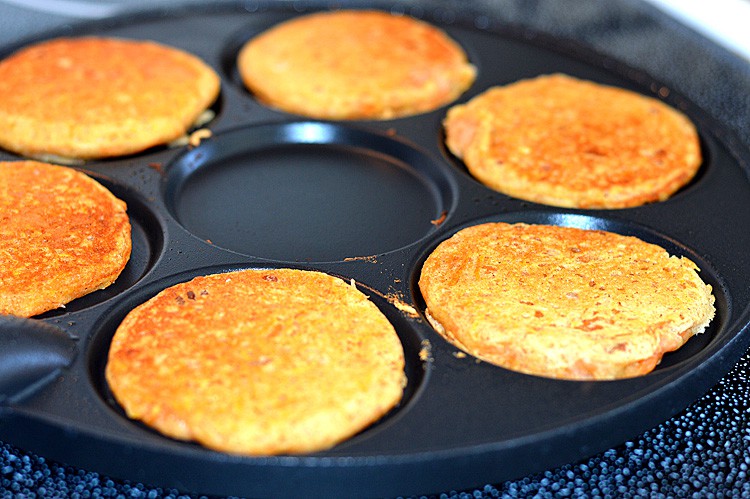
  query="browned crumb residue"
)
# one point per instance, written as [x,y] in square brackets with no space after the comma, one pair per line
[369,258]
[425,353]
[397,301]
[438,221]
[195,138]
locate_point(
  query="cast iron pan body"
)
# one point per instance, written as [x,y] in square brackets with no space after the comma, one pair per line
[365,201]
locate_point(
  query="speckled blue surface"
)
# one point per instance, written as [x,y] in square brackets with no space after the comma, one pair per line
[703,451]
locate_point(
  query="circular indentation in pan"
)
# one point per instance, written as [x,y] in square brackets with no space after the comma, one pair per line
[307,192]
[103,331]
[683,359]
[147,236]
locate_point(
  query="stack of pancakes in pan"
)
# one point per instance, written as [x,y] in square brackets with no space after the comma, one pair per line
[268,361]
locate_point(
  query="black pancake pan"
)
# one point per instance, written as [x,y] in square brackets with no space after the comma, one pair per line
[366,201]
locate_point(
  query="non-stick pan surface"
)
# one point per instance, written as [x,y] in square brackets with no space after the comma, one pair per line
[365,201]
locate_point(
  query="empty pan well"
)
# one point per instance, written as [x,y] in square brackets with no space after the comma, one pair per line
[305,192]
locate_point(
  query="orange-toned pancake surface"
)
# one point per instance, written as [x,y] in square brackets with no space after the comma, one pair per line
[94,97]
[567,142]
[258,361]
[563,302]
[355,65]
[62,236]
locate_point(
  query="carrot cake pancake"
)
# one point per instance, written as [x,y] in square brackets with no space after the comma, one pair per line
[567,142]
[94,97]
[563,302]
[352,64]
[62,236]
[258,361]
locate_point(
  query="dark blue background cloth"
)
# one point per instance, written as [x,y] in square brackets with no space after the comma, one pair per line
[706,447]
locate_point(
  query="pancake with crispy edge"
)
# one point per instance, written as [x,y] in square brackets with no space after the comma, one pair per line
[258,361]
[93,97]
[563,302]
[562,141]
[62,236]
[355,65]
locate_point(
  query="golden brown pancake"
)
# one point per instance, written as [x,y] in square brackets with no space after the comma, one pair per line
[563,302]
[258,362]
[355,65]
[62,236]
[567,142]
[93,97]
